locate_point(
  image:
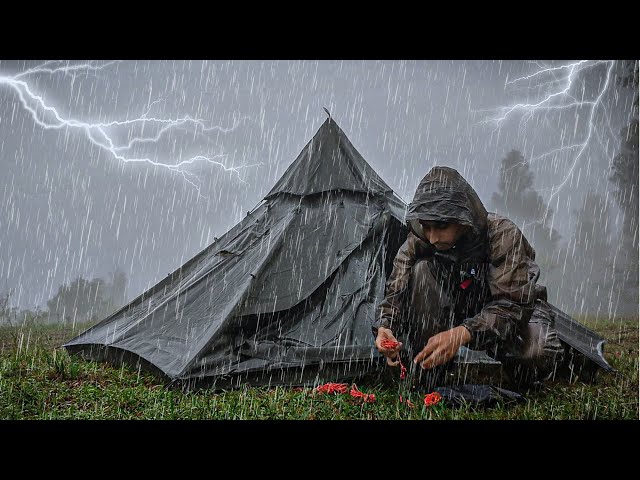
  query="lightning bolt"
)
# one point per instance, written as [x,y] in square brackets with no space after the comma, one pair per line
[558,96]
[98,133]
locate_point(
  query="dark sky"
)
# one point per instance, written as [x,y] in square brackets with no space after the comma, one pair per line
[69,207]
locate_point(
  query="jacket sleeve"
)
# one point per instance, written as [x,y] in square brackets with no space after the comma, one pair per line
[512,277]
[389,312]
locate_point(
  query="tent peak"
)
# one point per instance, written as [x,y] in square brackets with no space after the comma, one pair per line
[329,162]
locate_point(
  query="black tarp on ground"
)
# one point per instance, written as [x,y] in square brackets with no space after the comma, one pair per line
[288,295]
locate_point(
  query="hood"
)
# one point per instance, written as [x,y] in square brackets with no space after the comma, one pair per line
[443,195]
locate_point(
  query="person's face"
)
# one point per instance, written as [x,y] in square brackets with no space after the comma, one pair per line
[442,235]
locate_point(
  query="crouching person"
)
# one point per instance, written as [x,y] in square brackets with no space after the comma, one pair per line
[464,277]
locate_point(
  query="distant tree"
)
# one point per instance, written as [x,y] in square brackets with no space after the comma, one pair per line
[85,300]
[5,310]
[32,317]
[117,289]
[624,176]
[79,301]
[8,316]
[518,200]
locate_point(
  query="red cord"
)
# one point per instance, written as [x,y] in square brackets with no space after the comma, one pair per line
[394,344]
[432,398]
[343,387]
[367,397]
[332,388]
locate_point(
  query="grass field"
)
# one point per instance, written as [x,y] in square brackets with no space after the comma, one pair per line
[39,380]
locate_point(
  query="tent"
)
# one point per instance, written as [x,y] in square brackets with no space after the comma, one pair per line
[288,295]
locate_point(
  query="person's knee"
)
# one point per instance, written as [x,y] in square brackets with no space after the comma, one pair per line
[542,344]
[534,339]
[541,353]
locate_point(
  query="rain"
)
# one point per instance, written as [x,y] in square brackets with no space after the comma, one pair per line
[115,174]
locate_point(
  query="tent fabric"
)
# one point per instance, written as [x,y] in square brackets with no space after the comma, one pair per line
[291,286]
[329,162]
[477,395]
[580,338]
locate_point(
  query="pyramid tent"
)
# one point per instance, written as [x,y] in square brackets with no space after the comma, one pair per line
[287,296]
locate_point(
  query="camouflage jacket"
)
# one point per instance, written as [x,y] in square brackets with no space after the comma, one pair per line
[495,248]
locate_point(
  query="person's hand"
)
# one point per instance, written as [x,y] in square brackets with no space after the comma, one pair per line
[442,347]
[392,354]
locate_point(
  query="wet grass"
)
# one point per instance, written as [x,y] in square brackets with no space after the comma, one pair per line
[39,380]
